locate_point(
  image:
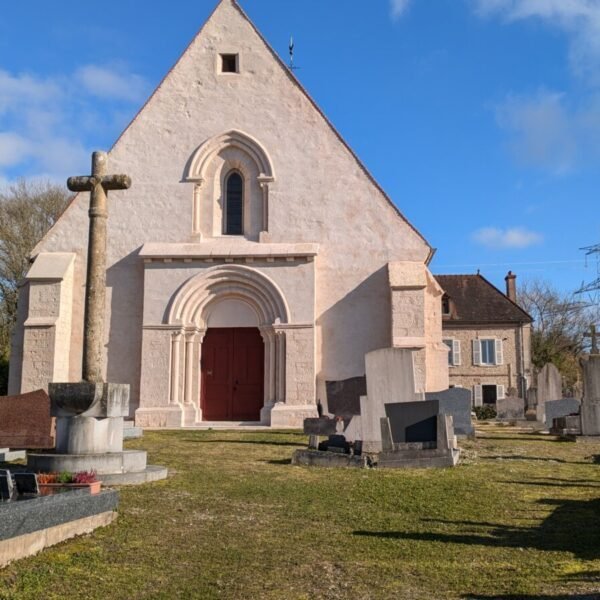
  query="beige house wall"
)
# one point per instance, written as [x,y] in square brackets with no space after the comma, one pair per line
[468,375]
[317,192]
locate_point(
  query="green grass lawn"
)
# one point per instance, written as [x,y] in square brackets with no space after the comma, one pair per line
[519,518]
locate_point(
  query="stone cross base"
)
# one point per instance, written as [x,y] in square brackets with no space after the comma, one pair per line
[89,435]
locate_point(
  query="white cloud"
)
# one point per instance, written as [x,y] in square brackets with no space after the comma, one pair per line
[112,83]
[45,122]
[511,238]
[547,132]
[579,19]
[399,7]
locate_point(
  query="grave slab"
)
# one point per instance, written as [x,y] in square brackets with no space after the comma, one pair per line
[510,408]
[343,397]
[556,409]
[456,402]
[25,421]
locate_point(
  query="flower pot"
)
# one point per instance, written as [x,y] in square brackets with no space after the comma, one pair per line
[94,487]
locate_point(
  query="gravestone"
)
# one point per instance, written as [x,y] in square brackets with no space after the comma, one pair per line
[25,421]
[390,379]
[590,403]
[456,402]
[413,422]
[343,397]
[549,387]
[510,408]
[555,409]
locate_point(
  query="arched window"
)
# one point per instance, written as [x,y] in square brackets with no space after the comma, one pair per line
[234,204]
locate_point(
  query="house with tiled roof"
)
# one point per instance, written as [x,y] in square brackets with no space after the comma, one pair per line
[488,337]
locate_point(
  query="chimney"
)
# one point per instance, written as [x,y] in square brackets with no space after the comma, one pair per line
[511,286]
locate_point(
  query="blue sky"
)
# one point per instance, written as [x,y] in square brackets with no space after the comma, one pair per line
[480,118]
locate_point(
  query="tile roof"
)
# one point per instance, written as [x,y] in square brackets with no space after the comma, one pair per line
[475,300]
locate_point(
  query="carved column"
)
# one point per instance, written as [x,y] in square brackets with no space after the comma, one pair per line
[264,184]
[197,207]
[280,366]
[176,343]
[190,340]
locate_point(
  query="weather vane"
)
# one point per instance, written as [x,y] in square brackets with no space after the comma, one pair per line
[292,46]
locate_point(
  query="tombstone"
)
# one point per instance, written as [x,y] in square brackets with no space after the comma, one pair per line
[6,486]
[413,422]
[343,397]
[456,402]
[417,435]
[549,387]
[555,409]
[26,484]
[25,421]
[590,404]
[510,408]
[390,379]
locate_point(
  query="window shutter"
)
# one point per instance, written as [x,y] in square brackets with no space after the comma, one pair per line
[456,354]
[500,392]
[478,395]
[499,352]
[476,352]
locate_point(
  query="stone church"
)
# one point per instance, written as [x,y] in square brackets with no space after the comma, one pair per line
[253,259]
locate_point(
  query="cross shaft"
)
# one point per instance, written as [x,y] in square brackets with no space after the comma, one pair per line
[95,289]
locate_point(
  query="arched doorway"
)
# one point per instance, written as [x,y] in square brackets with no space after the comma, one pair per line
[228,355]
[232,371]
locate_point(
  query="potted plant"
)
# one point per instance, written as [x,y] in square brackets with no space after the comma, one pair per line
[83,479]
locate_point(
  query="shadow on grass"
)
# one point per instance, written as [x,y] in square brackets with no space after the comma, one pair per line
[572,484]
[281,461]
[258,442]
[536,597]
[556,533]
[538,458]
[538,438]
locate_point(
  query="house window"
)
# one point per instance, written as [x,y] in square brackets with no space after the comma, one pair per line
[229,63]
[454,352]
[445,305]
[234,204]
[488,352]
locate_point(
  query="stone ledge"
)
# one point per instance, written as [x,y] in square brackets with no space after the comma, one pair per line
[315,458]
[32,543]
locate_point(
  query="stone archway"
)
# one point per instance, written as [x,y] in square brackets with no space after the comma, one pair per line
[189,315]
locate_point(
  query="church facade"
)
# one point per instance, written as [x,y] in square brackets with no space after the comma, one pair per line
[253,259]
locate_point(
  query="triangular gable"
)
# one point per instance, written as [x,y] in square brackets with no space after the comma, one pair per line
[294,80]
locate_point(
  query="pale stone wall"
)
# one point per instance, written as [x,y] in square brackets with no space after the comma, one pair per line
[417,322]
[320,193]
[47,326]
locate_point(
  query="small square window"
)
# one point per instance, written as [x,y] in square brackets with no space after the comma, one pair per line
[229,63]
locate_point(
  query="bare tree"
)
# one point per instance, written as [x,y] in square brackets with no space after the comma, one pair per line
[562,321]
[27,211]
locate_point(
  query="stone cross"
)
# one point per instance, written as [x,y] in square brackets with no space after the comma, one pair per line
[593,335]
[98,184]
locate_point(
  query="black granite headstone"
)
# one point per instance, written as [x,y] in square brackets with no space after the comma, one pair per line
[343,397]
[6,485]
[412,422]
[457,403]
[323,426]
[26,483]
[561,408]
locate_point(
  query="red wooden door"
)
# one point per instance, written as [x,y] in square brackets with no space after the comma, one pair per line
[232,375]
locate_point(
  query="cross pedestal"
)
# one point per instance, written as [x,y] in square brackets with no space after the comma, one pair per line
[89,415]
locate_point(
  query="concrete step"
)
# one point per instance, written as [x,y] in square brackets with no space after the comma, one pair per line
[397,460]
[128,461]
